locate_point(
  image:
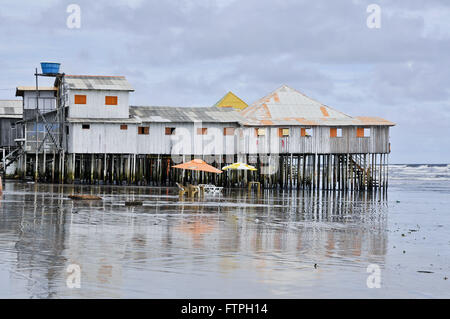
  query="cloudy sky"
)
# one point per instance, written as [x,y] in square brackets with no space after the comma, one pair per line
[191,52]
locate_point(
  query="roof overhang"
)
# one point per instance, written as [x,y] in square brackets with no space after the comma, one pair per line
[20,90]
[103,120]
[330,122]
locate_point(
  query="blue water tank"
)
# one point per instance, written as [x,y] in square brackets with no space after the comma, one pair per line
[50,67]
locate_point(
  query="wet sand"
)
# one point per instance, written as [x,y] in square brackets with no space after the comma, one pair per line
[232,246]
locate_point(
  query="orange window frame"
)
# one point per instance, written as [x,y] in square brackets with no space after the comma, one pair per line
[303,132]
[228,130]
[283,131]
[111,100]
[260,131]
[124,127]
[333,132]
[360,132]
[80,99]
[170,130]
[202,131]
[143,130]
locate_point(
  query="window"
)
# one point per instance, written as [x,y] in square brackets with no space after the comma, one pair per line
[110,100]
[335,132]
[67,130]
[124,127]
[143,130]
[306,132]
[228,130]
[170,130]
[202,131]
[362,132]
[260,131]
[85,126]
[80,99]
[283,132]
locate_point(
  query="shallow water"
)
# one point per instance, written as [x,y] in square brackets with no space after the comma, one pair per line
[229,246]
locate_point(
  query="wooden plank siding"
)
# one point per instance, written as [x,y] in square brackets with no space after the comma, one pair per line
[109,138]
[320,142]
[96,105]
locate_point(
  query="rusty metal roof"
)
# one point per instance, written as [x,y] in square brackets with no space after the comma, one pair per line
[98,82]
[287,106]
[185,114]
[373,120]
[11,109]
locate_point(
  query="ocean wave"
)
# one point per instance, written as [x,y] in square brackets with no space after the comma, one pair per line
[420,178]
[420,172]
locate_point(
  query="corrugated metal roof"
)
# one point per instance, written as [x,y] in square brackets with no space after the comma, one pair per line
[373,120]
[21,89]
[98,82]
[287,106]
[11,109]
[185,114]
[353,121]
[104,120]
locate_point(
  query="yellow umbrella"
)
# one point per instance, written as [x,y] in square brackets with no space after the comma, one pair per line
[239,166]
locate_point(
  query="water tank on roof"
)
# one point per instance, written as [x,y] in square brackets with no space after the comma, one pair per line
[50,67]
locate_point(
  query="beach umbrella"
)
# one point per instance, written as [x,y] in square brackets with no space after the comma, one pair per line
[198,165]
[239,166]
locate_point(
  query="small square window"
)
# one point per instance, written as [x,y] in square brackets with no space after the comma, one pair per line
[335,132]
[124,127]
[80,99]
[170,130]
[110,100]
[283,132]
[306,132]
[228,130]
[202,131]
[85,126]
[260,132]
[362,132]
[143,130]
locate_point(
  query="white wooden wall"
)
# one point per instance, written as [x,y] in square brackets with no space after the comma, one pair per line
[320,142]
[47,100]
[102,138]
[95,104]
[109,138]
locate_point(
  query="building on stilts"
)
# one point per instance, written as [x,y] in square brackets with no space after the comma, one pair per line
[89,133]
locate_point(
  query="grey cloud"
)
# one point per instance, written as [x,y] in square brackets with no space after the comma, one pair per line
[193,52]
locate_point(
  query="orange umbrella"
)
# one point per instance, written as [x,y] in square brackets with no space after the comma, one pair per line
[198,165]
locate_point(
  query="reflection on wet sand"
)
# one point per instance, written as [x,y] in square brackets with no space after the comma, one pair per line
[277,238]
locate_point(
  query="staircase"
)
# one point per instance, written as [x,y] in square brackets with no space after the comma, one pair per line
[363,175]
[10,158]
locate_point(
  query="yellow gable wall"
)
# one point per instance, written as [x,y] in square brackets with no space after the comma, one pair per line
[231,100]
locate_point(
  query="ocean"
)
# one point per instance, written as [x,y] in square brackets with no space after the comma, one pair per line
[281,244]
